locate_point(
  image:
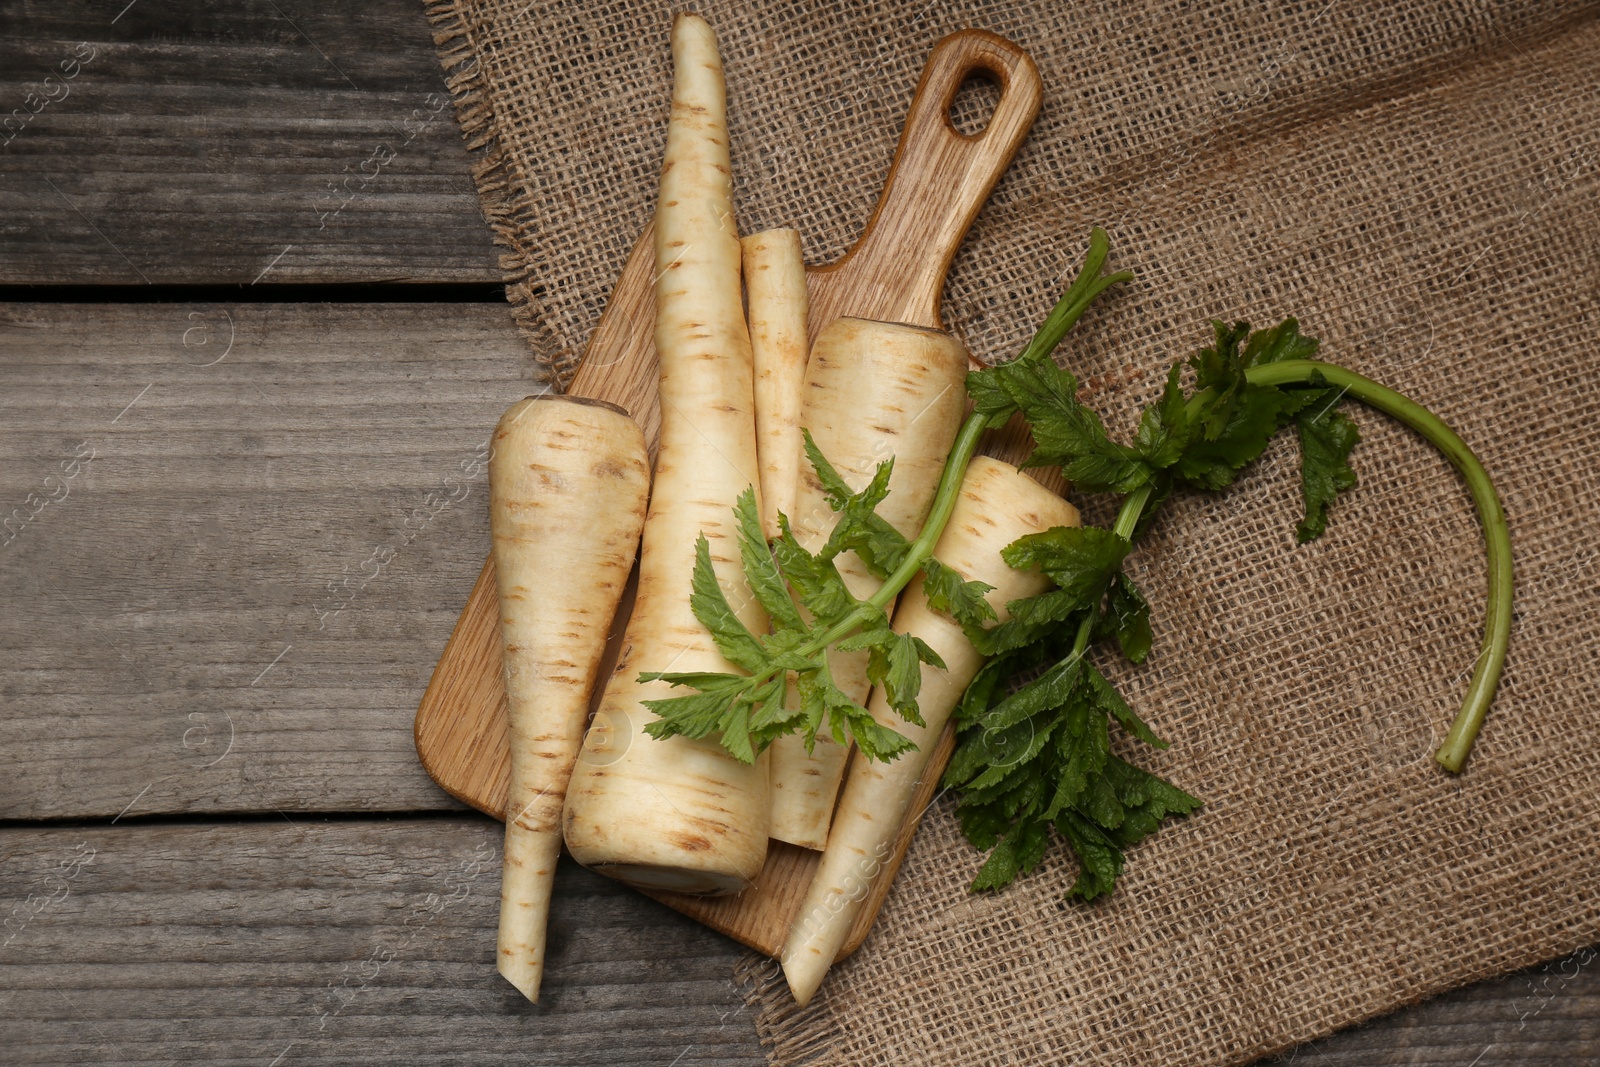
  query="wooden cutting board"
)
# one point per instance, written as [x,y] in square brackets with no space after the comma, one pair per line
[895,272]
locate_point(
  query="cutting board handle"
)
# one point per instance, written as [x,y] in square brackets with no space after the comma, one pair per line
[940,177]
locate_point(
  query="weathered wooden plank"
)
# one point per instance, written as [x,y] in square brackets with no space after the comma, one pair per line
[369,942]
[350,942]
[229,570]
[230,142]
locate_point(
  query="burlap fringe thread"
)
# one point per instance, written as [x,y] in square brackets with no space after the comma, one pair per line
[788,1032]
[494,173]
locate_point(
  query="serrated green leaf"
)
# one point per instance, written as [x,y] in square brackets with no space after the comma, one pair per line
[1128,618]
[962,600]
[1099,859]
[1080,560]
[694,715]
[736,643]
[705,680]
[1050,690]
[736,732]
[1081,745]
[858,528]
[990,398]
[1032,621]
[877,742]
[1010,749]
[1165,428]
[1110,702]
[902,676]
[760,570]
[1327,436]
[834,487]
[1281,342]
[1018,852]
[1237,432]
[817,581]
[856,512]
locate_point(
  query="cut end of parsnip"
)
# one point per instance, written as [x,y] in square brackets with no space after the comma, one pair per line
[525,978]
[674,879]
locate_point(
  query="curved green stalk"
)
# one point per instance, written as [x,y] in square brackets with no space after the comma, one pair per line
[1452,755]
[921,550]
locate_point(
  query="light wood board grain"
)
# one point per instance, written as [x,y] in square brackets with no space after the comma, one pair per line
[236,604]
[232,142]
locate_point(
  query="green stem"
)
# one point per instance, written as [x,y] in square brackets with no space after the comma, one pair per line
[1076,300]
[1452,755]
[1128,516]
[920,550]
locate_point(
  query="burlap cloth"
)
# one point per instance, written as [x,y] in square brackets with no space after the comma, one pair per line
[1417,182]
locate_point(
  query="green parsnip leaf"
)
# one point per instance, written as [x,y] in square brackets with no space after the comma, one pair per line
[760,569]
[1127,618]
[961,600]
[710,606]
[1326,438]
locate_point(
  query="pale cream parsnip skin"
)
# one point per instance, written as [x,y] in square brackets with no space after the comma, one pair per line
[775,284]
[568,482]
[872,390]
[997,505]
[684,814]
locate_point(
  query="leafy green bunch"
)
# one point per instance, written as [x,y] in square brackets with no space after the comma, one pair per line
[1199,438]
[750,710]
[1034,747]
[1038,755]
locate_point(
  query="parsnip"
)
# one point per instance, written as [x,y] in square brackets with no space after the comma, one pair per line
[683,814]
[568,481]
[997,505]
[872,390]
[775,281]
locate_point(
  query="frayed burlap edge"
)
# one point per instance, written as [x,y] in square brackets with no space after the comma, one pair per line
[494,173]
[788,1033]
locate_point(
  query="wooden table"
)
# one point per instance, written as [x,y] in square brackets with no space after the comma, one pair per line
[251,345]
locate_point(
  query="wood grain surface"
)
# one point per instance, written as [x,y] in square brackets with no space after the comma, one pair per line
[939,180]
[232,606]
[262,140]
[367,942]
[371,942]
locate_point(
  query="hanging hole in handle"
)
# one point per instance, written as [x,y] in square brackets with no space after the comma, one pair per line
[973,106]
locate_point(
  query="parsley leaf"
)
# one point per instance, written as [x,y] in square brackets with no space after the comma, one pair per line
[1326,438]
[961,600]
[760,570]
[736,643]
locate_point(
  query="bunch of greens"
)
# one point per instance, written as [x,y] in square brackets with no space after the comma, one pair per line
[1034,741]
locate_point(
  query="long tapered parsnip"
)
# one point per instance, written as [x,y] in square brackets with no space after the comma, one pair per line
[997,505]
[679,813]
[872,390]
[568,481]
[775,286]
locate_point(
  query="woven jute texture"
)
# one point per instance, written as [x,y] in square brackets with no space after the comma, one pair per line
[1419,182]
